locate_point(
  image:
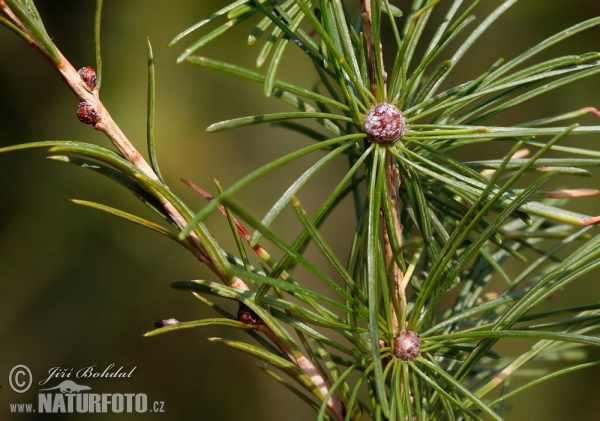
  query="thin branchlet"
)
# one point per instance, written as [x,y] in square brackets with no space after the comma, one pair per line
[96,114]
[392,172]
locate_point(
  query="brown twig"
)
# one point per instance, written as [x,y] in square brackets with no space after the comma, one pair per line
[9,14]
[367,23]
[105,123]
[335,403]
[392,175]
[372,60]
[392,171]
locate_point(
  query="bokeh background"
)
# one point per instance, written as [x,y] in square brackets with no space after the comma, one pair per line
[79,288]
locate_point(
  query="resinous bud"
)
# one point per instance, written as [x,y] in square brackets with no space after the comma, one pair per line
[86,113]
[88,76]
[407,345]
[384,123]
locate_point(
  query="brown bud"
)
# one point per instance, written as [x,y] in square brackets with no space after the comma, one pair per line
[248,316]
[384,123]
[86,113]
[407,345]
[88,75]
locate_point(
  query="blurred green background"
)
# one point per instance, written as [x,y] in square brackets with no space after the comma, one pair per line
[79,288]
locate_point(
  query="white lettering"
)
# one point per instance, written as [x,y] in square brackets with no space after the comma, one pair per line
[88,403]
[59,403]
[117,403]
[57,373]
[82,403]
[85,372]
[95,401]
[45,402]
[141,402]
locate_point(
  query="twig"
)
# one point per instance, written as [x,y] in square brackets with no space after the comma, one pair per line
[392,172]
[367,23]
[105,123]
[392,175]
[335,403]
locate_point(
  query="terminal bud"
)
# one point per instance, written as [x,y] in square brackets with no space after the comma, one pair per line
[384,123]
[407,345]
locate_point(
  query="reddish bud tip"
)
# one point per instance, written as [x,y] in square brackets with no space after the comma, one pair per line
[88,75]
[593,111]
[384,123]
[407,345]
[591,221]
[86,113]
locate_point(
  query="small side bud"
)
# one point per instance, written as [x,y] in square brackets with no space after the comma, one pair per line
[86,113]
[88,75]
[248,316]
[384,123]
[407,345]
